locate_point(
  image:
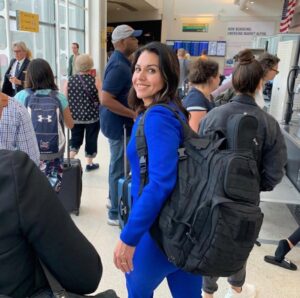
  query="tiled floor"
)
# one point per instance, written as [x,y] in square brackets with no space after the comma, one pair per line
[270,281]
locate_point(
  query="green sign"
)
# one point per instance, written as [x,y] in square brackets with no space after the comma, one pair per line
[195,28]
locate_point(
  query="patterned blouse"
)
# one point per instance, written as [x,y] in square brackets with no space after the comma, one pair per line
[83,99]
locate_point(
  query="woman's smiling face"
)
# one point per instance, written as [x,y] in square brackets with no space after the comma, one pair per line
[147,79]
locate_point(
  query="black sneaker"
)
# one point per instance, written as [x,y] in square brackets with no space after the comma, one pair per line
[91,167]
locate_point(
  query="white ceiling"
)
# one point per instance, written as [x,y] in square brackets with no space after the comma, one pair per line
[122,10]
[127,6]
[141,5]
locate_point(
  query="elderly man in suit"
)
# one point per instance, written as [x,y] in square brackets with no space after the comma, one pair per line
[15,75]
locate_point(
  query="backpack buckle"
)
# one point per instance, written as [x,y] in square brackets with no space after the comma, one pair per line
[143,164]
[190,237]
[181,153]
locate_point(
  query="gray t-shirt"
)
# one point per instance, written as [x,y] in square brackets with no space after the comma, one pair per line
[184,70]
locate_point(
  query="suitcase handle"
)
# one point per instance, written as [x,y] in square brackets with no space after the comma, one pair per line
[68,148]
[125,152]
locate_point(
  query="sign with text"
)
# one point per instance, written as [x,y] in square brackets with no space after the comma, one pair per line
[195,27]
[27,21]
[240,34]
[244,31]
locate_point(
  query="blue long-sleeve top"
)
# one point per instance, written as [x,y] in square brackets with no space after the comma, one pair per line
[163,133]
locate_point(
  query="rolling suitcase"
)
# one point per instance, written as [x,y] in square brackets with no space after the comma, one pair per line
[70,193]
[124,191]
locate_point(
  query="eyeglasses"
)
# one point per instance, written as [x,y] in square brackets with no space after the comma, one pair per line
[17,51]
[277,71]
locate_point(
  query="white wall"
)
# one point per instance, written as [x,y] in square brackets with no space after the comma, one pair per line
[217,15]
[176,12]
[226,8]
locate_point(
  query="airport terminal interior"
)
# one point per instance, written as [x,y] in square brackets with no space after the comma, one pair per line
[222,28]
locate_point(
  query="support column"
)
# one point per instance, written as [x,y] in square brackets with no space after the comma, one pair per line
[96,33]
[168,14]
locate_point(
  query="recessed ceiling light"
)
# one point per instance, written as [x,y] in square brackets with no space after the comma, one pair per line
[251,2]
[247,8]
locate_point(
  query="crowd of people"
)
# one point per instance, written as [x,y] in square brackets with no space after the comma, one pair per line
[34,224]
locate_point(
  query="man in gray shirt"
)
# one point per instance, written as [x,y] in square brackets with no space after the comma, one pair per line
[184,71]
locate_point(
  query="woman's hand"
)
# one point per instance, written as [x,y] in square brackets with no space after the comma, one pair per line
[123,255]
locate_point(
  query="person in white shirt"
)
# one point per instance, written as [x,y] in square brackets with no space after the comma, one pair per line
[269,64]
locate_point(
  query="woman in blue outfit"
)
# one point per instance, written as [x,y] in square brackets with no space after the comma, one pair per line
[155,80]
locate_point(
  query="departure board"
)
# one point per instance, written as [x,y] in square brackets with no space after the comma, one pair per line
[221,48]
[195,48]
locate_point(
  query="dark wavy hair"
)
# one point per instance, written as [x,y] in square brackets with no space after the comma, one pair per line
[202,70]
[247,74]
[169,68]
[39,75]
[267,62]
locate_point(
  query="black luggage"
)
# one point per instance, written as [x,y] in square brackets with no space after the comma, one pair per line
[70,193]
[124,191]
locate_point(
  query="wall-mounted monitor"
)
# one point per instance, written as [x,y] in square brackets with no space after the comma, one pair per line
[195,48]
[221,48]
[212,48]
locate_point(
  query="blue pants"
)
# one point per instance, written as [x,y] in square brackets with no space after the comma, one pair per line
[151,267]
[116,171]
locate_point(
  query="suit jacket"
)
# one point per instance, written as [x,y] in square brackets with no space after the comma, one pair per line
[34,224]
[7,86]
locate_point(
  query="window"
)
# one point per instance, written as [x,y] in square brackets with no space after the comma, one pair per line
[3,44]
[1,5]
[76,17]
[44,43]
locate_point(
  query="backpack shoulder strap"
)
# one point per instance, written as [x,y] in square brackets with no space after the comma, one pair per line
[140,136]
[141,144]
[54,94]
[56,288]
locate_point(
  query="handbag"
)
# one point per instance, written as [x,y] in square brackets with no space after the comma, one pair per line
[96,103]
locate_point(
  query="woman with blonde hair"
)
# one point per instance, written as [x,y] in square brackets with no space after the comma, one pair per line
[82,91]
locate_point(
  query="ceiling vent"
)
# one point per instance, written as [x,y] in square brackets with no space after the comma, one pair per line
[124,5]
[241,3]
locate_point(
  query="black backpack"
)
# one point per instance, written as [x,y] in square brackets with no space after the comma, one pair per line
[211,221]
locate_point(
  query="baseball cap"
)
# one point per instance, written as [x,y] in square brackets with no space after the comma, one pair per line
[124,31]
